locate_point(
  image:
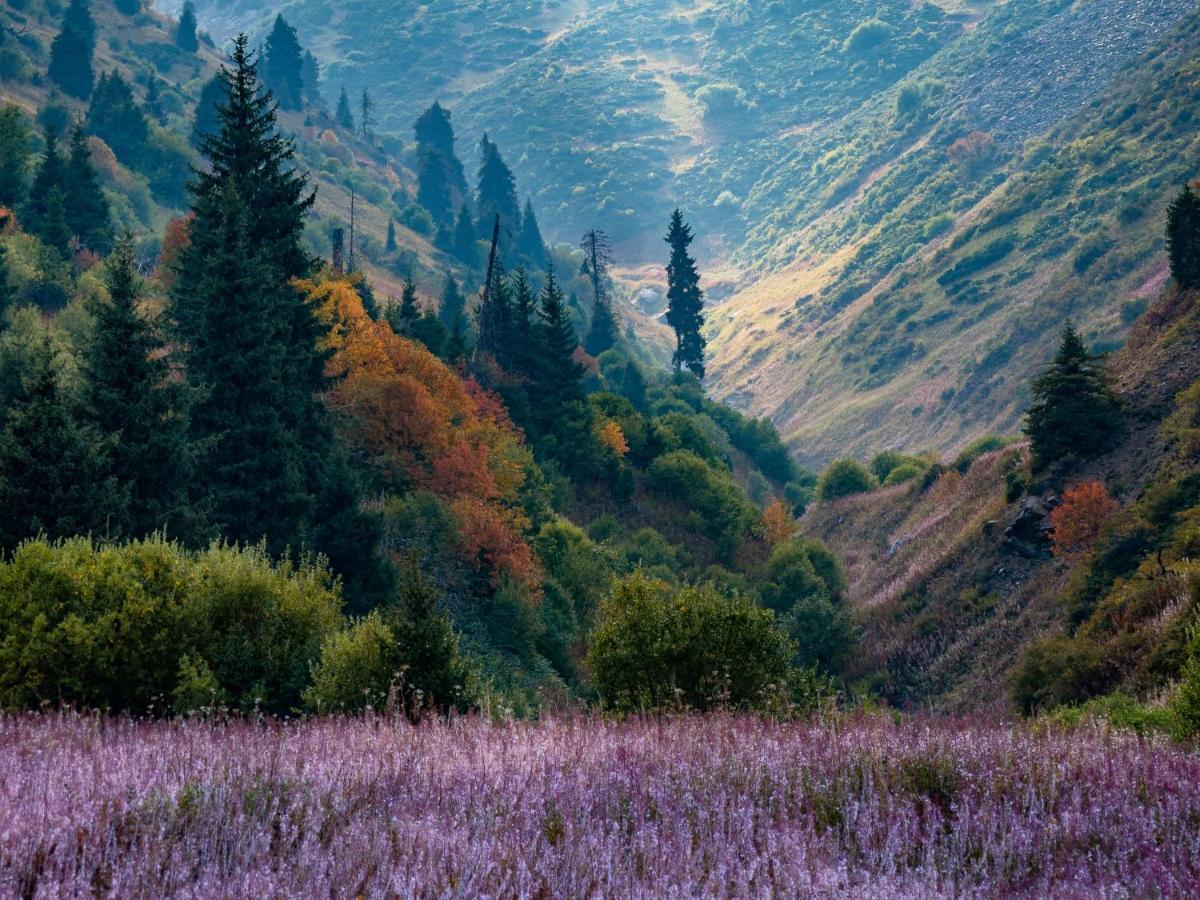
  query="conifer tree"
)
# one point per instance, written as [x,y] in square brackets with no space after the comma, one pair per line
[207,121]
[597,251]
[53,229]
[116,119]
[50,175]
[185,32]
[685,300]
[493,318]
[345,117]
[1183,238]
[465,246]
[71,52]
[529,242]
[389,246]
[526,353]
[251,342]
[1074,412]
[561,376]
[497,192]
[442,184]
[52,466]
[15,152]
[366,115]
[8,293]
[153,103]
[453,305]
[283,65]
[87,213]
[404,315]
[310,76]
[129,395]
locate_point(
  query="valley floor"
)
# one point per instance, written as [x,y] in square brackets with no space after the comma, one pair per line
[690,806]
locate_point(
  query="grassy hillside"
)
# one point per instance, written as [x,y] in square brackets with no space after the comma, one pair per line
[939,260]
[952,596]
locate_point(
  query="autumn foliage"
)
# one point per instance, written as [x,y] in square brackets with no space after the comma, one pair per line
[1077,523]
[778,524]
[423,427]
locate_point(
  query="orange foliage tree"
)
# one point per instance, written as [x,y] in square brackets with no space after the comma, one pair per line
[423,427]
[1077,523]
[610,435]
[778,524]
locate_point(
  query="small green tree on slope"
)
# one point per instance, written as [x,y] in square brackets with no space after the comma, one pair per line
[1074,411]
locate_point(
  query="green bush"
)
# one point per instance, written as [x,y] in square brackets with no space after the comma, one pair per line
[144,624]
[1060,671]
[844,478]
[721,511]
[904,473]
[989,443]
[657,648]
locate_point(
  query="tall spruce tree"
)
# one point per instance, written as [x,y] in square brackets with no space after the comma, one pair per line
[529,243]
[403,316]
[115,118]
[87,210]
[389,245]
[366,115]
[497,194]
[153,104]
[685,300]
[453,305]
[561,380]
[493,318]
[251,342]
[53,230]
[71,52]
[8,293]
[441,181]
[1074,412]
[526,354]
[50,176]
[345,117]
[15,152]
[185,31]
[283,65]
[1183,238]
[603,333]
[129,394]
[466,247]
[310,75]
[53,478]
[207,119]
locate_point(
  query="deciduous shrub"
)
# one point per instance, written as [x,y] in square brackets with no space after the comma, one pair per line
[1077,523]
[657,647]
[843,478]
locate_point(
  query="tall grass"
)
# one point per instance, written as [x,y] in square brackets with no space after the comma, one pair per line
[713,806]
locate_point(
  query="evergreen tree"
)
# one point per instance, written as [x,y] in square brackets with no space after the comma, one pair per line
[310,76]
[403,316]
[529,243]
[561,376]
[389,246]
[116,119]
[453,305]
[497,192]
[52,467]
[87,213]
[465,247]
[345,118]
[8,293]
[440,176]
[71,52]
[597,257]
[603,333]
[153,105]
[685,300]
[207,121]
[1183,238]
[283,65]
[493,318]
[252,343]
[366,115]
[53,230]
[1074,411]
[525,355]
[50,176]
[15,152]
[129,394]
[185,33]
